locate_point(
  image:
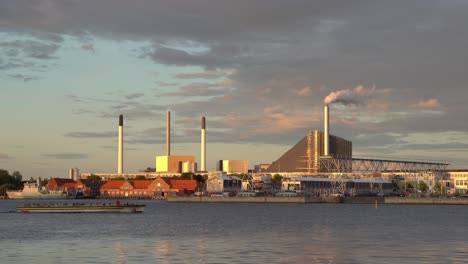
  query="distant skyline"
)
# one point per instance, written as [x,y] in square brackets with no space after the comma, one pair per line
[259,71]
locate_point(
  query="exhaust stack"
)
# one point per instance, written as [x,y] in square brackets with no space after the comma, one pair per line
[203,146]
[326,136]
[168,133]
[120,153]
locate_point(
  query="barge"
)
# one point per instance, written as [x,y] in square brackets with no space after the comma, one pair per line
[81,208]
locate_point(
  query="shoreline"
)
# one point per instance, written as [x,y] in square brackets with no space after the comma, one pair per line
[306,200]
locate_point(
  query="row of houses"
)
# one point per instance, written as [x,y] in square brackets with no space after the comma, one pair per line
[158,188]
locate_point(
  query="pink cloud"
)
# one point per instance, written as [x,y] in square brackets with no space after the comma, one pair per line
[277,120]
[430,103]
[306,91]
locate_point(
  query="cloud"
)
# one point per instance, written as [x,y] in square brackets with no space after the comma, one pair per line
[30,48]
[88,47]
[430,103]
[134,95]
[202,89]
[22,77]
[201,75]
[306,91]
[108,134]
[66,155]
[165,84]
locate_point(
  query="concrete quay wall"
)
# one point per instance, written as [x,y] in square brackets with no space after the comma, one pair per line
[426,200]
[206,199]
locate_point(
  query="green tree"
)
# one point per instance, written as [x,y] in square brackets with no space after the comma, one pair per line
[140,177]
[187,175]
[395,185]
[422,186]
[93,177]
[199,178]
[409,187]
[118,179]
[277,178]
[6,187]
[438,187]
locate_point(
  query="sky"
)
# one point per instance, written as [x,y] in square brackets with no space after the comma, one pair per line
[259,71]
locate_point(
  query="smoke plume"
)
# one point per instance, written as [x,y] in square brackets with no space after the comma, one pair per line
[357,96]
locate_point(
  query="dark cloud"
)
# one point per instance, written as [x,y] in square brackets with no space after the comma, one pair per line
[29,48]
[25,78]
[66,156]
[107,134]
[201,75]
[201,89]
[134,95]
[273,50]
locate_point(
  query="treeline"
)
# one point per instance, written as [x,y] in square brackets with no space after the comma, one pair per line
[10,182]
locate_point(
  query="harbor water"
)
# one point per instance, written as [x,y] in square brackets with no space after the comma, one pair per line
[238,233]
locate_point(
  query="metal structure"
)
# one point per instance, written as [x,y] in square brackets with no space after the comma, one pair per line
[360,165]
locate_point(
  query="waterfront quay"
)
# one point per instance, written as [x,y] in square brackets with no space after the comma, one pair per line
[303,199]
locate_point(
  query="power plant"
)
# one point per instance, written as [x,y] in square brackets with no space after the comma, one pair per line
[317,153]
[305,156]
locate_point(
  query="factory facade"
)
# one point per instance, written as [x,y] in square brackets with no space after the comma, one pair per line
[233,166]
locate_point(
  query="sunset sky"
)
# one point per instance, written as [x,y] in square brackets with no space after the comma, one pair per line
[258,70]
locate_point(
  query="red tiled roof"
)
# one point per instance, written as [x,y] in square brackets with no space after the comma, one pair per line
[69,185]
[113,184]
[55,183]
[141,184]
[184,184]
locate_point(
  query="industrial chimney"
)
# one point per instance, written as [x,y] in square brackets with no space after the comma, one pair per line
[168,133]
[203,146]
[326,134]
[120,153]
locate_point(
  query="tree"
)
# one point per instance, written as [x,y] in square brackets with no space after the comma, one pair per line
[140,177]
[422,186]
[17,175]
[409,187]
[276,178]
[438,187]
[93,177]
[199,178]
[187,175]
[395,185]
[5,187]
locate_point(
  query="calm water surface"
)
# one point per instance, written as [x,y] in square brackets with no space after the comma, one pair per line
[239,233]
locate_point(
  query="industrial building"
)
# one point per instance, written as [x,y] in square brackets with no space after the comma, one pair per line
[327,186]
[233,166]
[175,164]
[304,157]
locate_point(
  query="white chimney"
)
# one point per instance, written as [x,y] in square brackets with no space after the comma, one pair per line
[203,146]
[326,135]
[120,153]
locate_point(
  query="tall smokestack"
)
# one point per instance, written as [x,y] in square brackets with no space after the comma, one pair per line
[326,135]
[203,146]
[168,133]
[120,154]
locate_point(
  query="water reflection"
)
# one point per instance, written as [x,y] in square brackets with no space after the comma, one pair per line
[162,251]
[121,256]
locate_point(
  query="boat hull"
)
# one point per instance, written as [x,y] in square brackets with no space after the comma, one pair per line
[23,195]
[82,209]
